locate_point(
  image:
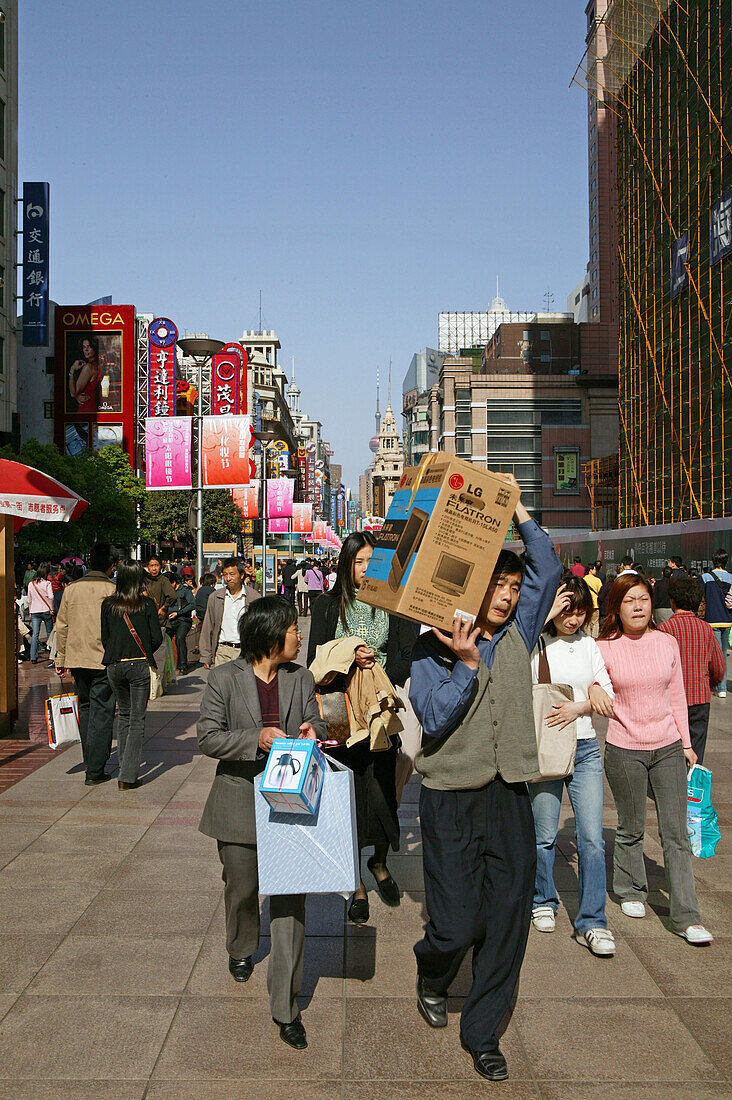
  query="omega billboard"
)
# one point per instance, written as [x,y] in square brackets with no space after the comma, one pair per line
[95,377]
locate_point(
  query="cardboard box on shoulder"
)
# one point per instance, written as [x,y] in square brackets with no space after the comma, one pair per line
[435,554]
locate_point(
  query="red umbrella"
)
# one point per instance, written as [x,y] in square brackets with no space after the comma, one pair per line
[28,495]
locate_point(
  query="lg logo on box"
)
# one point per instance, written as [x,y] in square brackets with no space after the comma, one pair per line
[457,481]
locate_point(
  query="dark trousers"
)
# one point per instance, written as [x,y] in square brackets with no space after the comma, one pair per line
[180,631]
[698,725]
[289,593]
[287,927]
[96,717]
[479,851]
[130,682]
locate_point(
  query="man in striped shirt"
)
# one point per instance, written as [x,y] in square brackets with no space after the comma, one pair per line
[702,663]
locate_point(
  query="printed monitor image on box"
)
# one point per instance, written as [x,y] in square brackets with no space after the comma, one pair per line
[293,776]
[435,554]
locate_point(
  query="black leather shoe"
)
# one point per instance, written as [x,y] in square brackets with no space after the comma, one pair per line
[387,887]
[490,1064]
[432,1006]
[358,910]
[129,786]
[241,969]
[95,780]
[293,1034]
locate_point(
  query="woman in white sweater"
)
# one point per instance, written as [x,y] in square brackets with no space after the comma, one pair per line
[574,658]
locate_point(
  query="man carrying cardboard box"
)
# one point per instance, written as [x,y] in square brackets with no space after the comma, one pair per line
[471,691]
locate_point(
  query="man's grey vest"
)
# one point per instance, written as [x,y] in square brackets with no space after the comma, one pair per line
[496,734]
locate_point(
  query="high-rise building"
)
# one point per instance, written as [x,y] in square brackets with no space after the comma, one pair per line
[9,427]
[388,464]
[422,375]
[666,79]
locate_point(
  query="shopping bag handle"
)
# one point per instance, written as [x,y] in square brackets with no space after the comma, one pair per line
[336,764]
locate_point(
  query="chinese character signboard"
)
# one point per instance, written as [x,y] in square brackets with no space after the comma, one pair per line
[279,498]
[278,526]
[168,452]
[720,228]
[302,471]
[226,372]
[679,260]
[225,442]
[302,519]
[35,265]
[566,470]
[162,335]
[247,498]
[95,377]
[279,455]
[237,349]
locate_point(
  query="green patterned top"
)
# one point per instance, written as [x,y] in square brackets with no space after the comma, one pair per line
[369,623]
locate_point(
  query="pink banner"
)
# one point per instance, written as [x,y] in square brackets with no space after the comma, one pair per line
[168,452]
[278,526]
[302,519]
[280,493]
[319,530]
[225,446]
[247,499]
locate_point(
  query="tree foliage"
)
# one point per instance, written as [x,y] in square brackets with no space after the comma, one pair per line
[104,478]
[164,516]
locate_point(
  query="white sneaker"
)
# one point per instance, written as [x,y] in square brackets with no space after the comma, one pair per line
[721,694]
[696,934]
[543,918]
[599,940]
[633,908]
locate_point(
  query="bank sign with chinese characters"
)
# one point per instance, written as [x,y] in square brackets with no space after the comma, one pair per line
[161,336]
[35,265]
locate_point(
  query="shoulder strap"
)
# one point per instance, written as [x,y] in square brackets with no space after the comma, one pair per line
[135,635]
[722,585]
[545,676]
[39,593]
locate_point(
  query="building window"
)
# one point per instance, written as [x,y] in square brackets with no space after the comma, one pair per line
[594,220]
[48,410]
[2,355]
[546,357]
[594,275]
[2,287]
[595,311]
[593,147]
[2,129]
[594,293]
[592,131]
[594,257]
[577,298]
[50,364]
[593,185]
[545,334]
[594,239]
[527,334]
[593,204]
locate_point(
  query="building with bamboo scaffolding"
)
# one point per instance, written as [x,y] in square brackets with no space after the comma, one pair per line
[664,73]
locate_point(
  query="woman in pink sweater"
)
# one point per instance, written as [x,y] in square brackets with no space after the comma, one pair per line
[648,743]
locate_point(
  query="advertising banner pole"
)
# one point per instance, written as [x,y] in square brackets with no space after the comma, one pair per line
[264,522]
[199,479]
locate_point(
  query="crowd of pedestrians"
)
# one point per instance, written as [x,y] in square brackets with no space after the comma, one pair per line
[640,656]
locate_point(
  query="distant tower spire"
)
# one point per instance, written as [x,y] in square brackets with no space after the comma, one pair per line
[378,411]
[388,392]
[293,368]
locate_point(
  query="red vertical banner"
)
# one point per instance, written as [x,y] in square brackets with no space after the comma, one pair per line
[161,336]
[225,442]
[302,519]
[302,471]
[319,526]
[237,349]
[247,498]
[225,383]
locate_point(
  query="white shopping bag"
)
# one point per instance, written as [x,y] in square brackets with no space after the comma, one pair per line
[62,719]
[310,853]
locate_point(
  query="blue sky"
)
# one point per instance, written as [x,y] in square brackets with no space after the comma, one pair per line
[366,165]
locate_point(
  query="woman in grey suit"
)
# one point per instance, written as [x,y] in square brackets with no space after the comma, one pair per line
[248,703]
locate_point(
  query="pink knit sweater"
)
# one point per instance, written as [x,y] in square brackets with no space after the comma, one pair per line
[649,709]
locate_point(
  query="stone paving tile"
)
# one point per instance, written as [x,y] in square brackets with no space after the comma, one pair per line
[322,974]
[219,1037]
[437,1090]
[7,1000]
[164,871]
[631,1090]
[78,839]
[53,909]
[147,913]
[386,1039]
[35,869]
[22,954]
[16,838]
[600,1040]
[405,923]
[83,1037]
[697,971]
[301,1089]
[73,1090]
[120,965]
[708,1020]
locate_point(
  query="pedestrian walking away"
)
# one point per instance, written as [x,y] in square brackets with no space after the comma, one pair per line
[131,633]
[718,609]
[180,619]
[247,703]
[79,650]
[471,690]
[702,663]
[41,607]
[573,658]
[648,745]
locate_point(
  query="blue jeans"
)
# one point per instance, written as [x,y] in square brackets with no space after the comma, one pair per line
[130,682]
[585,793]
[37,618]
[721,633]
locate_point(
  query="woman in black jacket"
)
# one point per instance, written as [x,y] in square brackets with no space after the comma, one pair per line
[180,619]
[130,635]
[340,614]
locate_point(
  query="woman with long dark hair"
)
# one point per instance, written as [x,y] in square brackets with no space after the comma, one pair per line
[389,640]
[648,745]
[84,375]
[130,635]
[40,606]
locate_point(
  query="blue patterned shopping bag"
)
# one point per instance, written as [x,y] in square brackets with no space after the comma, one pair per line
[701,817]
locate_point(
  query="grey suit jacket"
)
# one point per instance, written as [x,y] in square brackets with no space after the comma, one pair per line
[211,626]
[228,729]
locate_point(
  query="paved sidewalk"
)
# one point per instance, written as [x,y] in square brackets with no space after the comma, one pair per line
[113,977]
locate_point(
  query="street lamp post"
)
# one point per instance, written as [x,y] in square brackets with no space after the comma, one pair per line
[201,350]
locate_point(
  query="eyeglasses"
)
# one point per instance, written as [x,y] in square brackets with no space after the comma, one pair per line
[296,630]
